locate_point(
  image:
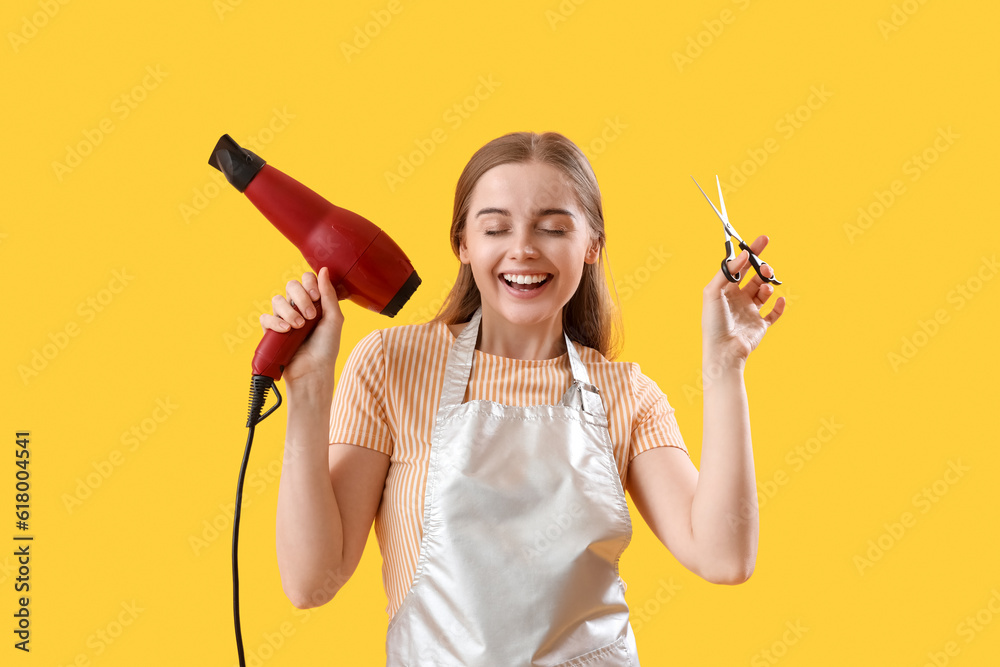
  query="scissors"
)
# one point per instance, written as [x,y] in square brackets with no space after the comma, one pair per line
[731,253]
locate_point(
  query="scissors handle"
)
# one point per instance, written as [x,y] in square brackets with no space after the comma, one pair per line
[730,255]
[754,261]
[757,264]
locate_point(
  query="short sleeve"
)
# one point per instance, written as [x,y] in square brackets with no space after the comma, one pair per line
[358,415]
[653,422]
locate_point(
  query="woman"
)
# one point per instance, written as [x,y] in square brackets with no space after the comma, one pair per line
[499,507]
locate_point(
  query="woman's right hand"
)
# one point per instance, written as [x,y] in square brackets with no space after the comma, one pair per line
[316,358]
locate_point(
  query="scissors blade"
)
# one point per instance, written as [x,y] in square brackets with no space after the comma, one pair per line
[721,216]
[722,202]
[731,231]
[725,218]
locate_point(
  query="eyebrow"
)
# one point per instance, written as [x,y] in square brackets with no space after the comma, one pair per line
[539,213]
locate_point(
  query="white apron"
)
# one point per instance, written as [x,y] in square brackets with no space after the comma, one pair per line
[524,522]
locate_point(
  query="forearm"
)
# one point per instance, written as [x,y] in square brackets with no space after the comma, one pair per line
[309,529]
[724,520]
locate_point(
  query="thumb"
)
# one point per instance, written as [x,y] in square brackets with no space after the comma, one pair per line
[719,281]
[328,294]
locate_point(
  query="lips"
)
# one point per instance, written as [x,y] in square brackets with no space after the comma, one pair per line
[524,284]
[525,278]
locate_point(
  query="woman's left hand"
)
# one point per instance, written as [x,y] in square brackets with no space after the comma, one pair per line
[731,324]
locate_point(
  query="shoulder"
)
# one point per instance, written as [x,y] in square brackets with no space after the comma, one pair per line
[413,336]
[627,385]
[398,344]
[616,379]
[595,361]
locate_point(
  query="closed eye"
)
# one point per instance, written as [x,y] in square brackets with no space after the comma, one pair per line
[497,232]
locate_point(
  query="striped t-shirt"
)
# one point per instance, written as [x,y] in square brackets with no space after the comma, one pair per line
[387,399]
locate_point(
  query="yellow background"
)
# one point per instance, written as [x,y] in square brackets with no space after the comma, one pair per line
[179,324]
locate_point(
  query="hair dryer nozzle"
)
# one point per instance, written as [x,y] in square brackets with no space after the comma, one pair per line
[237,163]
[402,296]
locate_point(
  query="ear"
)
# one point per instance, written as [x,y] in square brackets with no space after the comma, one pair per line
[593,252]
[463,251]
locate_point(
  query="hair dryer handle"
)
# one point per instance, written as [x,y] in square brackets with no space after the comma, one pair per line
[277,348]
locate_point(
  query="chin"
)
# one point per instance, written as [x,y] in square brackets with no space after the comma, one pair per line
[526,314]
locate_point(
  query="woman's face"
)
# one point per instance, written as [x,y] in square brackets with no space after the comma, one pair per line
[526,239]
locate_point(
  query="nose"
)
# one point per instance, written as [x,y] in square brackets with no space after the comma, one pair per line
[522,246]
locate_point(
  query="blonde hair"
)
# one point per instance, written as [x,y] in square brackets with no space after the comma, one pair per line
[590,317]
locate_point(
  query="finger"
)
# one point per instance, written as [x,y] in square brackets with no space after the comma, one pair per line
[298,295]
[779,308]
[269,322]
[752,286]
[759,244]
[285,311]
[738,264]
[764,293]
[311,285]
[719,282]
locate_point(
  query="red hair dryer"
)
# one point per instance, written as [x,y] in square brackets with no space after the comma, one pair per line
[365,265]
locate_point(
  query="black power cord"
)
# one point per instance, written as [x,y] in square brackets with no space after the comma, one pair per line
[258,395]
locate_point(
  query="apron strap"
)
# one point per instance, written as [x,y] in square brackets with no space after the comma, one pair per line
[581,394]
[459,367]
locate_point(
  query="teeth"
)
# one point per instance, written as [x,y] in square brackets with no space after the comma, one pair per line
[525,280]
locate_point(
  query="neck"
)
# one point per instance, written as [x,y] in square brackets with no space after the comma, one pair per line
[536,341]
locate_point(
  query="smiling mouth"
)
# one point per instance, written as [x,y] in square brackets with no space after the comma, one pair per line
[529,282]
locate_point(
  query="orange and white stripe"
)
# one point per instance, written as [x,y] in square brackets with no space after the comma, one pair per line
[387,399]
